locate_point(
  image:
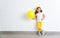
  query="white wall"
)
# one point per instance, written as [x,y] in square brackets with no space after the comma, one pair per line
[13,15]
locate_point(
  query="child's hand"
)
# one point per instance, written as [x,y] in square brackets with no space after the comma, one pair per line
[33,18]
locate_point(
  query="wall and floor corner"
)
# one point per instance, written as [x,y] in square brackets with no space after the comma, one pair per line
[13,15]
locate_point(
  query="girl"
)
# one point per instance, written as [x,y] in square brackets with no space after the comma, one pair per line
[39,18]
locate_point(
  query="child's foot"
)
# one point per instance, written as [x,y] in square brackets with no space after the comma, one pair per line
[42,32]
[39,33]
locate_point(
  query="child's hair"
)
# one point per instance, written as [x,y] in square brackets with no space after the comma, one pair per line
[37,11]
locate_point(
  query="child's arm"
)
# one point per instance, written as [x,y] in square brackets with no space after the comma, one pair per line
[35,17]
[43,17]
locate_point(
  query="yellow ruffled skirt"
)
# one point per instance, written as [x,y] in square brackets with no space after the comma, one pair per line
[39,26]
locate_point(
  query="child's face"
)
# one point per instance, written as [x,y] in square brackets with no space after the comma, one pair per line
[38,9]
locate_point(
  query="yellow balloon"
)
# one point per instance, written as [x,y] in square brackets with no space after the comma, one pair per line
[31,14]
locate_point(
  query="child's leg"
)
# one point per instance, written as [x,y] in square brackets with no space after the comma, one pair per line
[42,32]
[39,33]
[39,26]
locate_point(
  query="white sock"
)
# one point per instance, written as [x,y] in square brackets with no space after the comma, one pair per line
[39,33]
[42,32]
